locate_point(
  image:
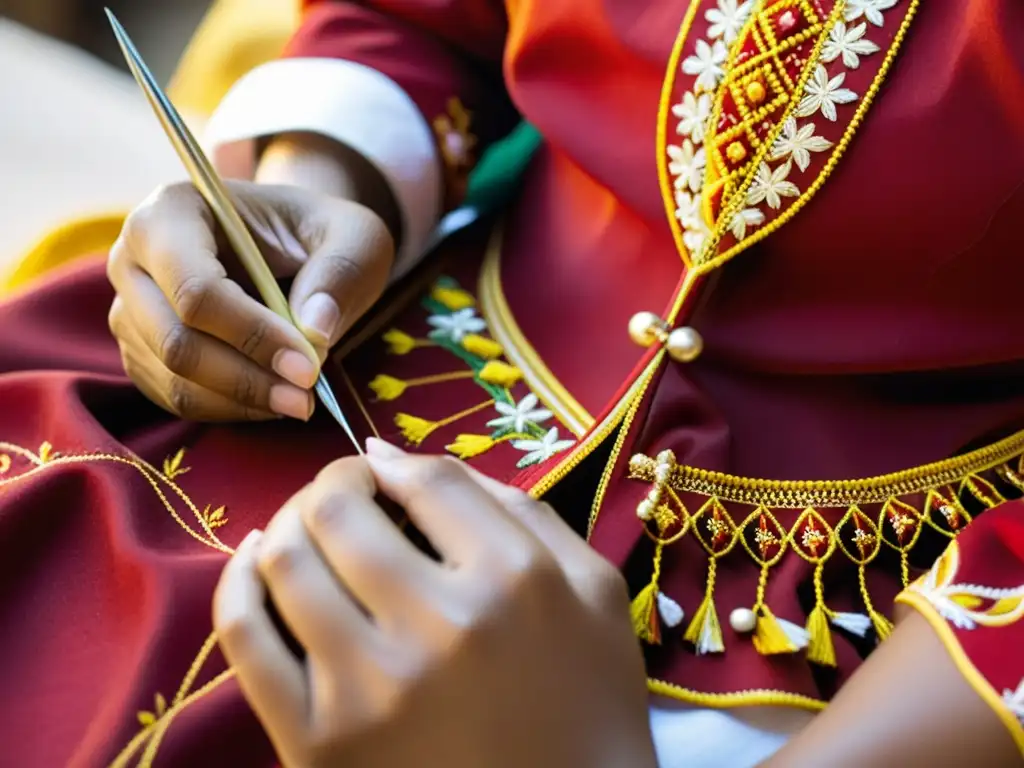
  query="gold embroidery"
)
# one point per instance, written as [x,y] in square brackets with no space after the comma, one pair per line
[939,488]
[158,481]
[454,137]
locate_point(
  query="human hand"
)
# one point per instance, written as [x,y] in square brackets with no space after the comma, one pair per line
[515,649]
[196,343]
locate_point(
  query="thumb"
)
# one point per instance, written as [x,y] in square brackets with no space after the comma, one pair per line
[347,271]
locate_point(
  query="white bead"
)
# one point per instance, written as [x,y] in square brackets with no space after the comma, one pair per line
[645,510]
[684,345]
[643,328]
[743,620]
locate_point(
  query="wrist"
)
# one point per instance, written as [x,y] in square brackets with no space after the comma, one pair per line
[320,164]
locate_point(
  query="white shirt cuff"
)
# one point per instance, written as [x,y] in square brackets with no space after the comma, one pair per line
[352,104]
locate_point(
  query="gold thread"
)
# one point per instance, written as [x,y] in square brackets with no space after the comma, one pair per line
[501,322]
[749,698]
[798,494]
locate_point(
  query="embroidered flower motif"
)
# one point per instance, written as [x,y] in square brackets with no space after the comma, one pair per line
[688,212]
[748,217]
[706,63]
[771,186]
[458,324]
[727,19]
[823,94]
[848,43]
[1014,701]
[538,451]
[693,113]
[798,143]
[515,418]
[687,166]
[869,9]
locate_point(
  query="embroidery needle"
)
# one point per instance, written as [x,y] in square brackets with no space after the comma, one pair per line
[219,199]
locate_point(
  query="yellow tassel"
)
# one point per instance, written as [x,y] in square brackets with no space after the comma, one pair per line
[883,627]
[468,446]
[387,387]
[415,429]
[644,615]
[453,298]
[820,649]
[481,346]
[399,342]
[704,631]
[500,374]
[769,637]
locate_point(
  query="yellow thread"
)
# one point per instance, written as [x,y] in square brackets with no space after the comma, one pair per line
[416,430]
[705,631]
[470,446]
[769,637]
[401,343]
[452,298]
[500,374]
[753,697]
[481,346]
[390,388]
[643,609]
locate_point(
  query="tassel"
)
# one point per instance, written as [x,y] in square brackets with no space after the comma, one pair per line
[399,342]
[387,387]
[855,623]
[704,631]
[500,374]
[820,649]
[645,618]
[774,635]
[452,297]
[481,346]
[415,429]
[670,611]
[883,627]
[468,446]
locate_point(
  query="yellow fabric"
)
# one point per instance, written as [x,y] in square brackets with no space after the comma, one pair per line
[234,37]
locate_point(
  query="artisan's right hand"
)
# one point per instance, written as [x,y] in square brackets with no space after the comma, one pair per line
[196,343]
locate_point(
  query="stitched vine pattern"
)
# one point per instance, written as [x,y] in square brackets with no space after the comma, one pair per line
[931,497]
[460,331]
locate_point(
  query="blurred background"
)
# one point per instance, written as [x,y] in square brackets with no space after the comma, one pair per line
[161,28]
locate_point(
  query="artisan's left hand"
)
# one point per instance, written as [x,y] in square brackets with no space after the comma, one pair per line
[515,650]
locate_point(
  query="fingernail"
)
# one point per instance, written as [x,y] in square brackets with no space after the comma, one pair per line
[291,401]
[320,316]
[250,540]
[295,367]
[380,449]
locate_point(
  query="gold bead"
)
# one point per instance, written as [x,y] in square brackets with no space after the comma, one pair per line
[743,620]
[736,152]
[684,345]
[644,327]
[755,92]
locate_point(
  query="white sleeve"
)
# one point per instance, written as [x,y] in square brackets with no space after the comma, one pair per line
[352,104]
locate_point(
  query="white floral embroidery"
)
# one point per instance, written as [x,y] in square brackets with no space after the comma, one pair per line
[706,63]
[727,19]
[823,94]
[538,451]
[943,598]
[693,113]
[1014,701]
[515,418]
[848,43]
[798,143]
[869,9]
[457,325]
[748,217]
[687,166]
[771,186]
[690,215]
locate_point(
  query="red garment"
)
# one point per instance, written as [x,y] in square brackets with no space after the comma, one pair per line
[874,333]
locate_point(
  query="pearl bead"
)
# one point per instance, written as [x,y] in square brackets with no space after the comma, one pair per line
[743,620]
[666,457]
[645,510]
[684,345]
[643,328]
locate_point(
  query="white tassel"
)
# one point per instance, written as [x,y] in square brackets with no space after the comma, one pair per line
[797,635]
[671,612]
[854,623]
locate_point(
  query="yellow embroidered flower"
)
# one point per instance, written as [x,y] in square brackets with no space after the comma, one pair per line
[387,387]
[481,346]
[453,298]
[468,446]
[500,374]
[399,343]
[414,429]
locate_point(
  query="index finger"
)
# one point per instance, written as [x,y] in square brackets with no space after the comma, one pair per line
[171,237]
